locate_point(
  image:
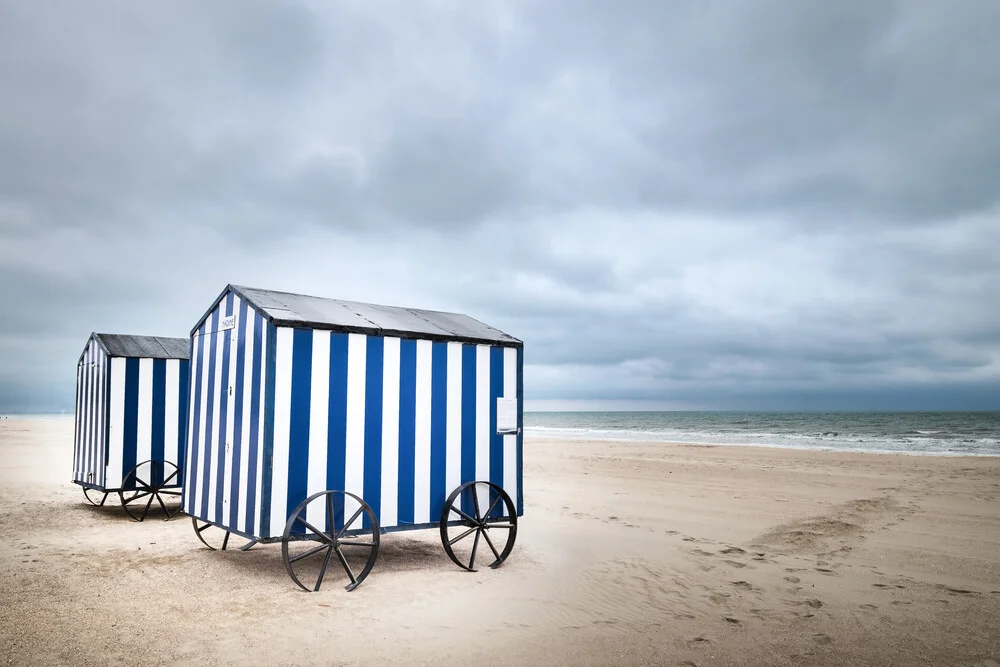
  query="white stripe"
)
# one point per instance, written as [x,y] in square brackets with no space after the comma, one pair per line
[84,376]
[245,444]
[319,407]
[230,398]
[144,420]
[510,440]
[261,419]
[354,453]
[282,429]
[102,401]
[116,427]
[389,509]
[189,463]
[483,422]
[93,414]
[202,427]
[76,429]
[216,443]
[171,409]
[422,435]
[86,411]
[453,438]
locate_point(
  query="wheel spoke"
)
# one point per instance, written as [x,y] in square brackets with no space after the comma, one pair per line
[225,541]
[137,496]
[351,522]
[355,544]
[490,510]
[172,475]
[162,506]
[146,508]
[464,535]
[170,493]
[499,525]
[496,553]
[475,545]
[306,554]
[203,528]
[475,502]
[322,570]
[314,529]
[462,514]
[347,568]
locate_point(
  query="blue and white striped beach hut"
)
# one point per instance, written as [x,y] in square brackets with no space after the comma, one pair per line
[131,411]
[294,397]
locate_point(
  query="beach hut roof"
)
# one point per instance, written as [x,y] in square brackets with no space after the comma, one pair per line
[298,310]
[145,347]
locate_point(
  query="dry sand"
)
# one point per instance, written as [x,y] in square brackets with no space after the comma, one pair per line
[628,554]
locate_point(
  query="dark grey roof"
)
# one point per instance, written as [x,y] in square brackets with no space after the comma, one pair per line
[299,310]
[145,347]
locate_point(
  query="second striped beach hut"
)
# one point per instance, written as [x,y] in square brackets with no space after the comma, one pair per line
[131,411]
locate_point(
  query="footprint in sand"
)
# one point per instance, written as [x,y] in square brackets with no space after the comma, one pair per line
[820,638]
[734,563]
[792,580]
[700,552]
[828,572]
[869,607]
[744,585]
[699,641]
[730,619]
[732,550]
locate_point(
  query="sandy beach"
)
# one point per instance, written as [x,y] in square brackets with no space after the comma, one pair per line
[628,554]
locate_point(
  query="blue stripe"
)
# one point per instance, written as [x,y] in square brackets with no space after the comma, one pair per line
[159,416]
[131,426]
[258,337]
[268,462]
[183,380]
[373,424]
[241,355]
[407,429]
[191,484]
[223,439]
[519,501]
[496,440]
[336,431]
[439,427]
[468,421]
[210,443]
[298,432]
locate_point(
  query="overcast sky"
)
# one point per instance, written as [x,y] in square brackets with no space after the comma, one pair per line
[749,205]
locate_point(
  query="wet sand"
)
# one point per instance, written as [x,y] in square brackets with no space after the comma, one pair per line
[628,554]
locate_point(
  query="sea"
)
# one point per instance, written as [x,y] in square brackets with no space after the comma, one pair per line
[932,433]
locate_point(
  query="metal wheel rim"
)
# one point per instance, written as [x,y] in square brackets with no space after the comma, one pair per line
[148,491]
[87,492]
[332,540]
[205,525]
[478,524]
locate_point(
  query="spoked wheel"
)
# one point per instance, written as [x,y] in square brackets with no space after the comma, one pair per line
[214,537]
[346,529]
[92,494]
[149,481]
[478,519]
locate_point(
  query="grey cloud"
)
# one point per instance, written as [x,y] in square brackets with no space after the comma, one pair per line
[688,202]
